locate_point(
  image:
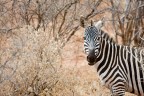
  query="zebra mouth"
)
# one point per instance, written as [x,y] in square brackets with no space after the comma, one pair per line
[90,63]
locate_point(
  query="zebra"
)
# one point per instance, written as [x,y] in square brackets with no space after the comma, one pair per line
[119,67]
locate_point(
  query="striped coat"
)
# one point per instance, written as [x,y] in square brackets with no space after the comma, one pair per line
[120,67]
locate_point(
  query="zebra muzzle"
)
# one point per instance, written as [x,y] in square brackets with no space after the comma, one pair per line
[91,59]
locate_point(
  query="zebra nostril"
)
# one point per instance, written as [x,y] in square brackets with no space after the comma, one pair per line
[91,59]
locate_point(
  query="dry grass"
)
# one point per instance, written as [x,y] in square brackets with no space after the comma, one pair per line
[31,58]
[35,66]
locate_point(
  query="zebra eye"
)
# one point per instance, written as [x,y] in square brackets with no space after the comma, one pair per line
[98,38]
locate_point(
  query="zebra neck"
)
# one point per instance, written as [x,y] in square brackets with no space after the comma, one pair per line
[107,51]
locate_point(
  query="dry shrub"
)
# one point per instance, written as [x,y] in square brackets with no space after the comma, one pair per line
[31,65]
[28,63]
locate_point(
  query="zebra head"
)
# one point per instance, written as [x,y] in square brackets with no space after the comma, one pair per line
[92,39]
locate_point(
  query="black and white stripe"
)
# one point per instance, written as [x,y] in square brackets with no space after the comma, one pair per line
[120,67]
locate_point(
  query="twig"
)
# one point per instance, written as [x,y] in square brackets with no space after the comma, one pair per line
[71,34]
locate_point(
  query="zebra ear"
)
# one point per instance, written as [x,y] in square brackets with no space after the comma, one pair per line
[100,23]
[82,21]
[92,23]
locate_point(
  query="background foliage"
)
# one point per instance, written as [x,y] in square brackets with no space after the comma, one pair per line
[34,33]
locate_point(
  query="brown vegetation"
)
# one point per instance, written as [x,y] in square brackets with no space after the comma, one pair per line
[41,44]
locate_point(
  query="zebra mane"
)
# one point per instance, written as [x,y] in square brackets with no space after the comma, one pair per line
[105,36]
